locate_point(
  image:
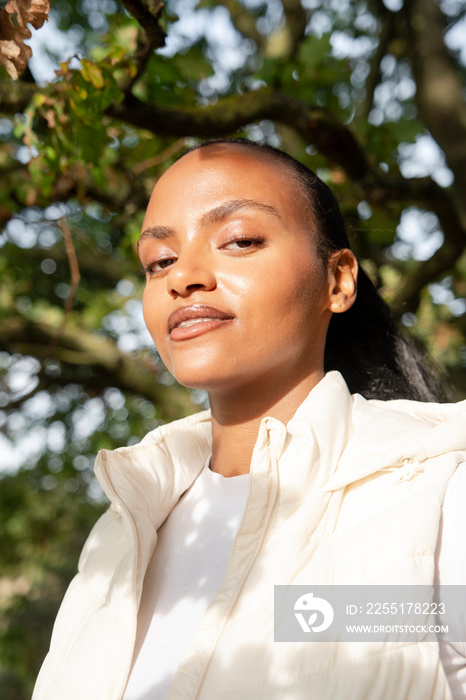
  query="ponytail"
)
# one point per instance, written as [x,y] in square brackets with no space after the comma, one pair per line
[375,359]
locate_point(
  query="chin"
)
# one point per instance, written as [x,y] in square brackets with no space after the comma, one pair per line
[198,370]
[193,380]
[205,378]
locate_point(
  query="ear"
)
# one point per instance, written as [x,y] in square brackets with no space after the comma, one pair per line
[343,273]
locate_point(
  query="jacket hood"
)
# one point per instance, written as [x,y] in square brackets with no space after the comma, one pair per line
[399,434]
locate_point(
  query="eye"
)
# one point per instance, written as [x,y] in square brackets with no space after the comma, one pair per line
[152,268]
[243,243]
[166,262]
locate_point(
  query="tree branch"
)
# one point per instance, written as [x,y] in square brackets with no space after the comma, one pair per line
[231,113]
[439,94]
[160,158]
[75,279]
[333,139]
[407,298]
[78,347]
[296,21]
[427,194]
[91,262]
[147,13]
[386,34]
[315,125]
[15,97]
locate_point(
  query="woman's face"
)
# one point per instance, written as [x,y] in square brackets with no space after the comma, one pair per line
[235,295]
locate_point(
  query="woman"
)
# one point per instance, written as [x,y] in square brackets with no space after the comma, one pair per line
[251,295]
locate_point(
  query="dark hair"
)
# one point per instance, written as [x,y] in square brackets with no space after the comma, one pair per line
[363,343]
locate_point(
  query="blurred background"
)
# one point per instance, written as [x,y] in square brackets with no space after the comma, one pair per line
[369,93]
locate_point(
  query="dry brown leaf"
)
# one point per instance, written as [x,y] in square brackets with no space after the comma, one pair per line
[14,18]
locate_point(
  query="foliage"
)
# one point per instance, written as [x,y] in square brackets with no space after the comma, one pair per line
[356,90]
[14,19]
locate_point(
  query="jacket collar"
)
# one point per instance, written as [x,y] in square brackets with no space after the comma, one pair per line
[357,437]
[150,477]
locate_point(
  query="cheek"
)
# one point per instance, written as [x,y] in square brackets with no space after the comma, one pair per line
[153,318]
[298,291]
[147,310]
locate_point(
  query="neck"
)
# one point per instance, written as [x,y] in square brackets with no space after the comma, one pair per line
[236,418]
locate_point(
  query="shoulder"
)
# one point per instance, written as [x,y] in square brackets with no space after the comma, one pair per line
[427,429]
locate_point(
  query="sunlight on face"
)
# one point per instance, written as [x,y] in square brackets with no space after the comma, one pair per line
[235,293]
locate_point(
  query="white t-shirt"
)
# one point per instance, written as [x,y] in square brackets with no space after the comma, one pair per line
[191,560]
[188,567]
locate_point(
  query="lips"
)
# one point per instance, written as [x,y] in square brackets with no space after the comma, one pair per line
[190,321]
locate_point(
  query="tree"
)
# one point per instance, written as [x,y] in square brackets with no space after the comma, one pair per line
[356,89]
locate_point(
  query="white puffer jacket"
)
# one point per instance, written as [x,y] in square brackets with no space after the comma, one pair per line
[334,499]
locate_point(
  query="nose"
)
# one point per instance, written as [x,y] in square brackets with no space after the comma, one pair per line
[190,272]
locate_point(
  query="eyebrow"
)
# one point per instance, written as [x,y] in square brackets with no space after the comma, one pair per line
[158,232]
[226,209]
[214,216]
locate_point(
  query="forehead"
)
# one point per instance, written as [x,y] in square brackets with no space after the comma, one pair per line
[206,177]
